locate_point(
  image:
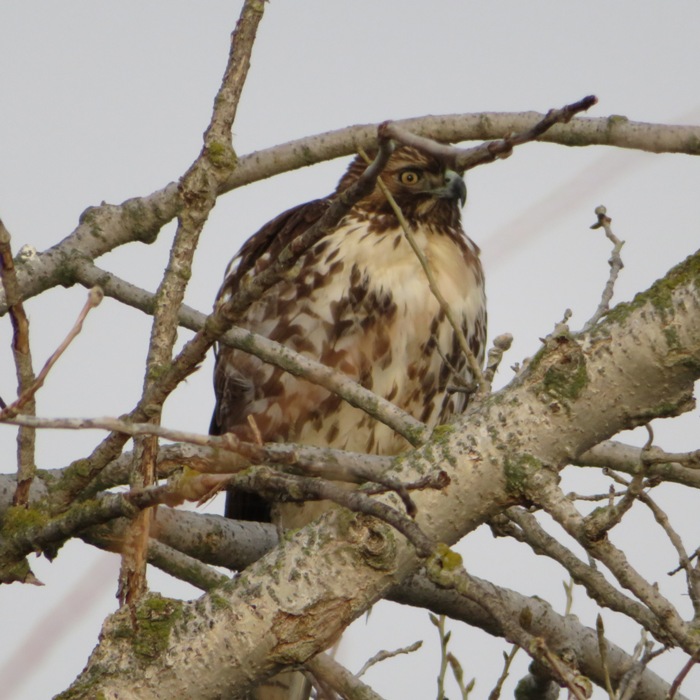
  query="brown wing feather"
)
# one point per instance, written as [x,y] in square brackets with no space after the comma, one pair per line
[273,237]
[234,390]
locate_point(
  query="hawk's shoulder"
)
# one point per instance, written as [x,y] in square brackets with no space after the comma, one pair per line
[234,389]
[265,246]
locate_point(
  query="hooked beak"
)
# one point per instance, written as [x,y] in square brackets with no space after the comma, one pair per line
[454,187]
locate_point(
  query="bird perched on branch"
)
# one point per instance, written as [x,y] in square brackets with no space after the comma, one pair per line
[358,301]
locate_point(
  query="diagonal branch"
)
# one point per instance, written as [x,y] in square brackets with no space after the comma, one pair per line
[94,298]
[267,350]
[199,190]
[555,503]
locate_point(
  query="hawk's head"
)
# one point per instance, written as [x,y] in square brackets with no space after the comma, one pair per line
[424,187]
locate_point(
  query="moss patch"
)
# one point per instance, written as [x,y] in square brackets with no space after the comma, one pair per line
[155,617]
[517,472]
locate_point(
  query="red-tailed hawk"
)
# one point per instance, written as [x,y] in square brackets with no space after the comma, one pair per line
[358,301]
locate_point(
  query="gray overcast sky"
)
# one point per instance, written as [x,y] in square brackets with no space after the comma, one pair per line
[105,101]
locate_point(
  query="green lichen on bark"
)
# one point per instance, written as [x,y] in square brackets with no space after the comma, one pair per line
[660,294]
[222,155]
[560,367]
[517,470]
[155,618]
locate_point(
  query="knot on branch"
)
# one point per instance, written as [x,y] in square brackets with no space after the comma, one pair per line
[560,367]
[373,540]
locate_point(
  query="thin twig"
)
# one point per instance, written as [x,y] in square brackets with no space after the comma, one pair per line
[602,520]
[495,694]
[615,263]
[465,158]
[660,465]
[644,653]
[675,686]
[437,479]
[94,298]
[290,488]
[444,635]
[340,679]
[595,497]
[692,574]
[383,655]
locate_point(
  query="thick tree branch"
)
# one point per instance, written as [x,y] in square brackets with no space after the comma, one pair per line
[104,228]
[660,465]
[198,192]
[348,561]
[185,539]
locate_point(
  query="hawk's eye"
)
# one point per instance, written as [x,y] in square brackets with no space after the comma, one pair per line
[409,177]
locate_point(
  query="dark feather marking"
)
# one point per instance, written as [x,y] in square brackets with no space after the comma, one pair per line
[353,331]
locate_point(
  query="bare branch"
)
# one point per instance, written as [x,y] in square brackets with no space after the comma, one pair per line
[227,454]
[140,218]
[495,694]
[287,487]
[533,534]
[466,158]
[184,567]
[21,353]
[661,466]
[615,263]
[681,677]
[94,298]
[269,351]
[384,655]
[340,679]
[199,188]
[691,572]
[550,497]
[602,520]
